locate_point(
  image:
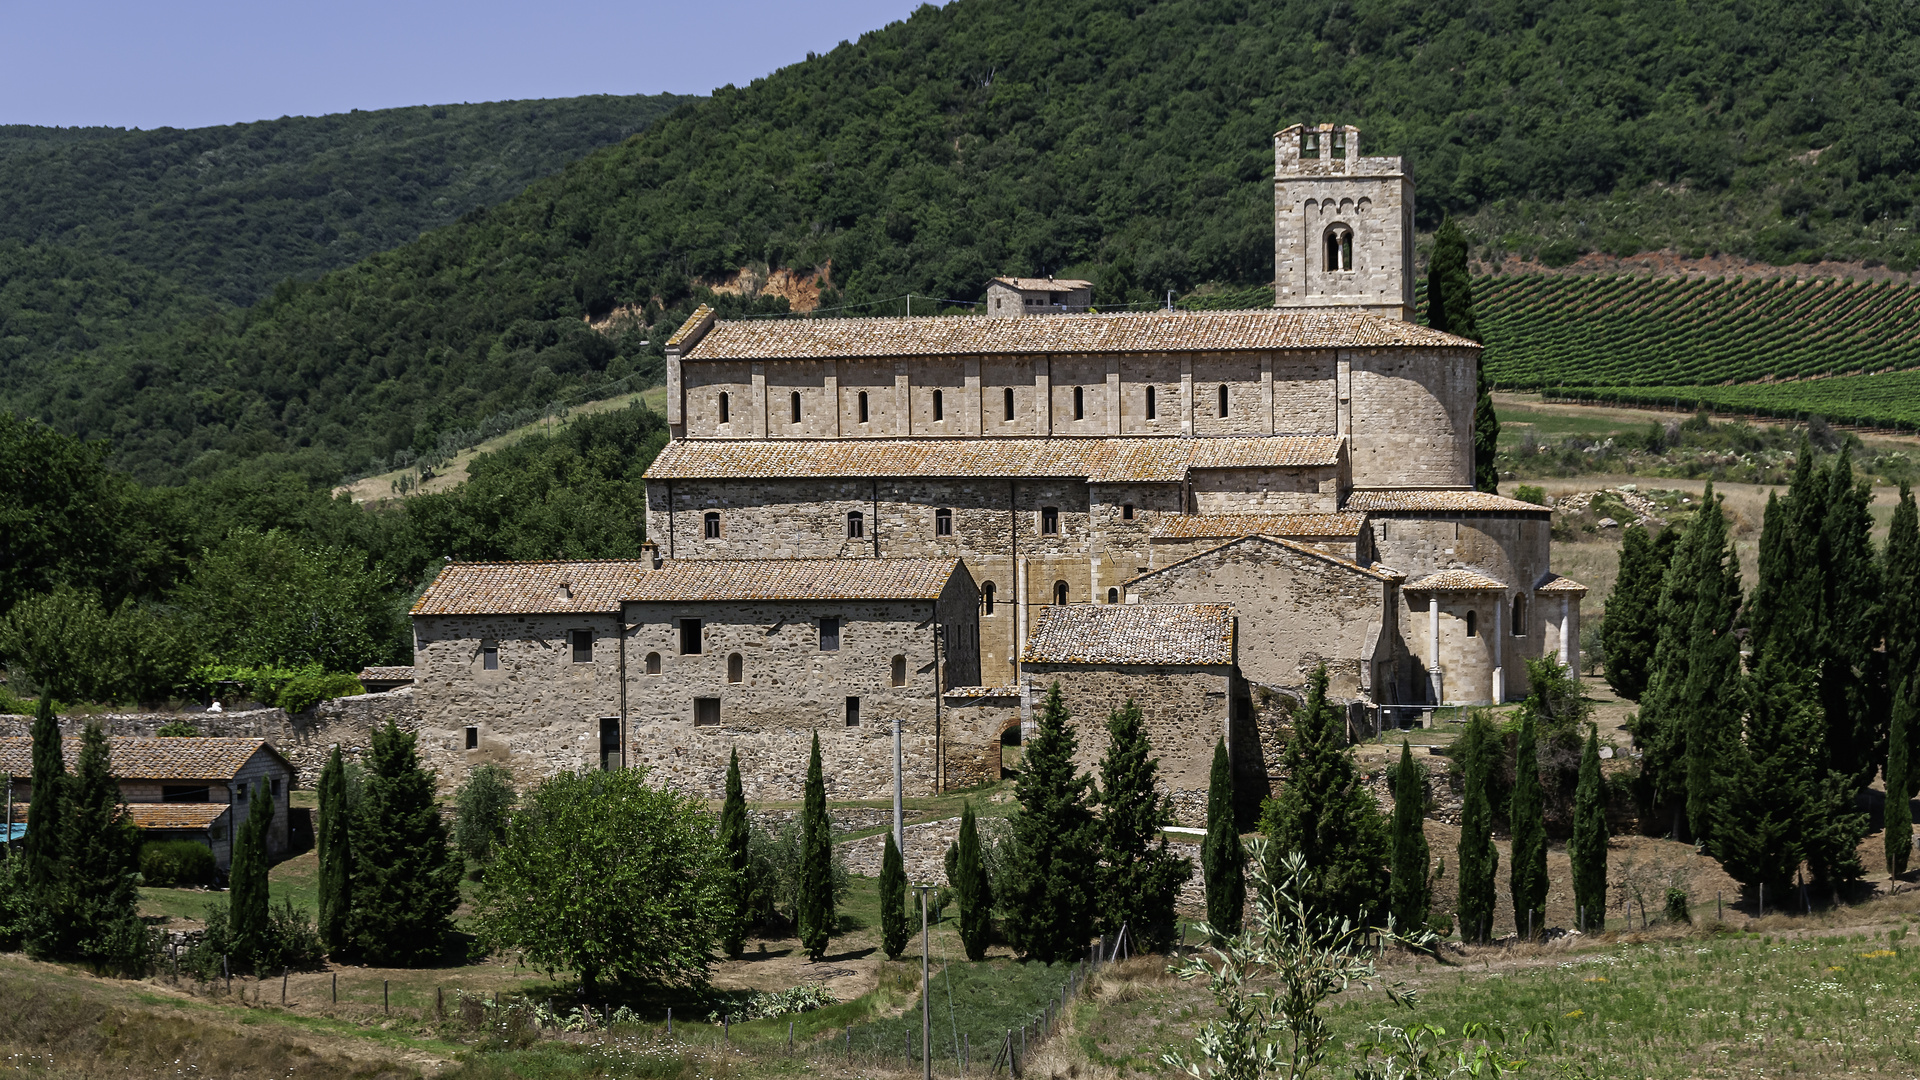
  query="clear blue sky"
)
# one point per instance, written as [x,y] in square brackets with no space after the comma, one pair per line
[192,63]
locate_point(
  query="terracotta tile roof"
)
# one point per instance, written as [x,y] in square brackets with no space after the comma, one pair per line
[159,815]
[1045,284]
[1146,458]
[1456,581]
[1131,332]
[1205,526]
[1131,634]
[402,673]
[1552,582]
[1377,572]
[684,580]
[982,691]
[148,759]
[701,314]
[529,588]
[1437,501]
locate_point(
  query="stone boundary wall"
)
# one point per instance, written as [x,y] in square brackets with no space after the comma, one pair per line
[303,738]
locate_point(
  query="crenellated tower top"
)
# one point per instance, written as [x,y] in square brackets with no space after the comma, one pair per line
[1342,224]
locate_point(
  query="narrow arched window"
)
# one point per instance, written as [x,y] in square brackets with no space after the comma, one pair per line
[1473,624]
[736,668]
[1519,615]
[653,663]
[1059,592]
[1113,596]
[1079,403]
[943,522]
[899,671]
[1150,404]
[796,406]
[723,406]
[1009,395]
[1223,399]
[856,525]
[713,524]
[986,596]
[939,407]
[863,406]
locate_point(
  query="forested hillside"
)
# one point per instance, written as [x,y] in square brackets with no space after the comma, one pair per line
[1123,141]
[231,211]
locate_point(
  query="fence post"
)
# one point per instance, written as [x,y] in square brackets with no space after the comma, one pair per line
[283,986]
[226,971]
[336,988]
[386,997]
[669,1021]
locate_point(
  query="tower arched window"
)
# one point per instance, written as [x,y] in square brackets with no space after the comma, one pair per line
[943,522]
[939,407]
[986,596]
[796,406]
[856,525]
[1060,592]
[653,663]
[1079,403]
[1339,247]
[1009,397]
[1473,623]
[712,525]
[863,406]
[1150,403]
[1519,615]
[1113,596]
[723,406]
[1223,399]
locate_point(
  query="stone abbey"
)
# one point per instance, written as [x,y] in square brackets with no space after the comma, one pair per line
[860,523]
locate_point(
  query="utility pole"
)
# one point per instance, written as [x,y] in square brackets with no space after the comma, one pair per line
[899,818]
[926,992]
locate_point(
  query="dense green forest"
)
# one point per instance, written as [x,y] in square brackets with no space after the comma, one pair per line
[232,211]
[1120,140]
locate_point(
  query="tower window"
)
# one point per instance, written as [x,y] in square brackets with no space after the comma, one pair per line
[899,672]
[1113,596]
[830,634]
[1050,520]
[853,711]
[1223,399]
[736,668]
[1079,403]
[1339,243]
[986,596]
[473,738]
[1126,512]
[490,656]
[723,406]
[713,524]
[582,646]
[856,525]
[796,406]
[1473,624]
[706,712]
[1009,397]
[939,407]
[943,522]
[1339,146]
[1150,403]
[1309,144]
[1060,592]
[863,406]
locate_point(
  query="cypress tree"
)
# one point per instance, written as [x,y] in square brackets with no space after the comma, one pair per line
[1849,628]
[733,841]
[1054,876]
[893,900]
[1527,817]
[1587,849]
[1709,702]
[1412,895]
[1629,632]
[94,911]
[1223,857]
[336,855]
[817,917]
[1901,576]
[1899,832]
[1774,582]
[247,899]
[975,891]
[41,847]
[1325,813]
[1660,727]
[406,880]
[1771,780]
[1141,878]
[1479,748]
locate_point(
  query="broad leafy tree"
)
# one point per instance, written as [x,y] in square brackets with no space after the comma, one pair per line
[480,808]
[1054,878]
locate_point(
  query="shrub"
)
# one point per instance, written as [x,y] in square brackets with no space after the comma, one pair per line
[176,862]
[287,942]
[1532,493]
[1677,906]
[480,812]
[177,729]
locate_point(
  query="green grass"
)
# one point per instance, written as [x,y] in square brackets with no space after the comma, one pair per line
[1891,399]
[978,1003]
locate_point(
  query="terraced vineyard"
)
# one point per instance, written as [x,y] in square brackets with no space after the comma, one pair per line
[1543,330]
[1888,400]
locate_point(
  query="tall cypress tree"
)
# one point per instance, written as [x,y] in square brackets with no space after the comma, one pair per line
[1849,629]
[1527,816]
[1774,581]
[41,848]
[1587,849]
[1901,587]
[1899,832]
[1772,780]
[336,855]
[1709,702]
[1054,871]
[1479,749]
[1630,631]
[733,841]
[1411,896]
[247,898]
[1326,814]
[817,917]
[1222,856]
[974,890]
[92,913]
[406,879]
[893,901]
[1660,727]
[1141,877]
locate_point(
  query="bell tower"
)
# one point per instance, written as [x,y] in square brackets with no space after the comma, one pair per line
[1342,225]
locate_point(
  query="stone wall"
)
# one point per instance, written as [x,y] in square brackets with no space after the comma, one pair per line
[1412,416]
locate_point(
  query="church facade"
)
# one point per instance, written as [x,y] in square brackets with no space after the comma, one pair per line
[1305,468]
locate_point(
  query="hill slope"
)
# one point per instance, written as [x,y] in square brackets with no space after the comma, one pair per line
[1124,141]
[231,211]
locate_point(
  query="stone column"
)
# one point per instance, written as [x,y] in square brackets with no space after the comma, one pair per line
[1565,625]
[1433,645]
[1499,650]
